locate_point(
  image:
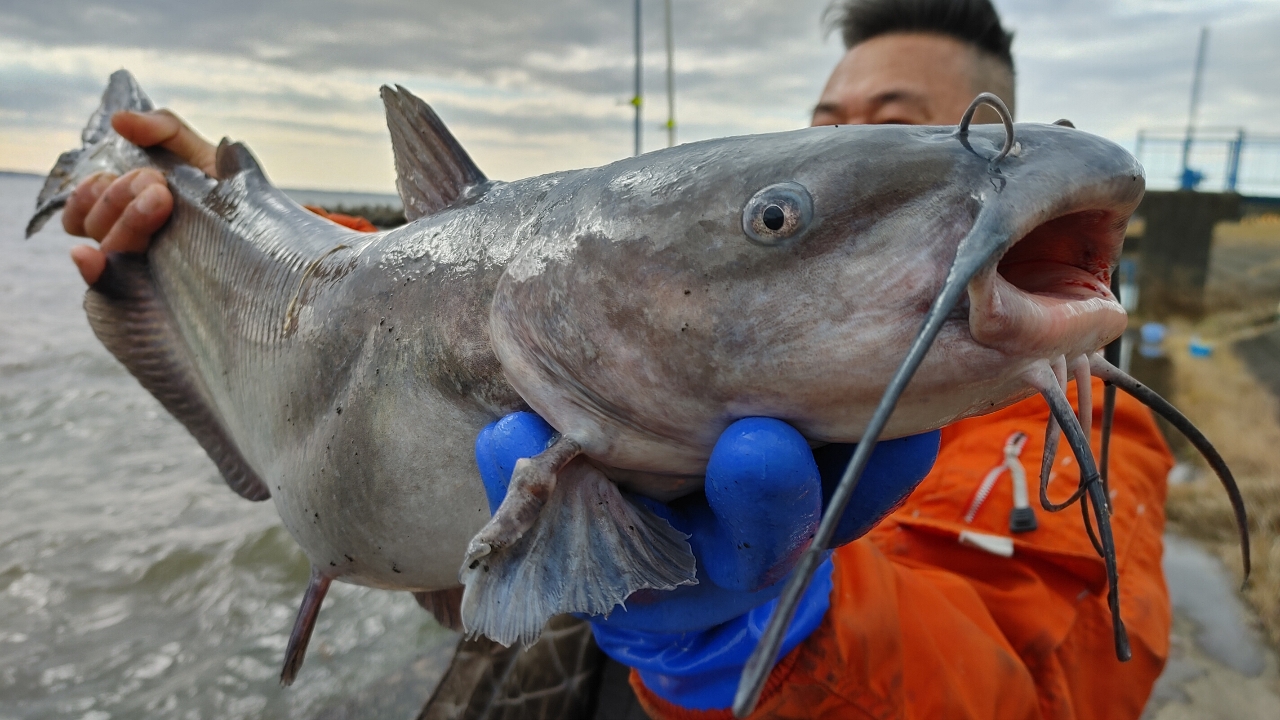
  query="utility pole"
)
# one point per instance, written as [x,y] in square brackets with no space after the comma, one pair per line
[671,81]
[638,99]
[1233,161]
[1191,178]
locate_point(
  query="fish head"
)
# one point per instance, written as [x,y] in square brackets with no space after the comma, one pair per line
[660,298]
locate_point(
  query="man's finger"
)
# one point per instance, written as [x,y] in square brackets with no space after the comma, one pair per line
[82,200]
[164,128]
[140,220]
[112,203]
[90,261]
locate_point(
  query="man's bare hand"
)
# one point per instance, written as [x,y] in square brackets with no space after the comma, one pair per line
[122,213]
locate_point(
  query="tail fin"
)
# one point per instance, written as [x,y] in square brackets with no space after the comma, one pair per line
[556,677]
[103,149]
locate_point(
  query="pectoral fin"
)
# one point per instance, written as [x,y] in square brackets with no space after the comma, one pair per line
[565,540]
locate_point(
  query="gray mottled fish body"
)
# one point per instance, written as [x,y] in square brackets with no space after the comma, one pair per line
[691,325]
[640,308]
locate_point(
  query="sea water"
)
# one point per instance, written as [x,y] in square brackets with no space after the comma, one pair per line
[133,582]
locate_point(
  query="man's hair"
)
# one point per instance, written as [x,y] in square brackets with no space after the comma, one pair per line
[971,21]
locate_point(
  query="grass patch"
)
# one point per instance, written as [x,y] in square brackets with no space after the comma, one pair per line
[1235,410]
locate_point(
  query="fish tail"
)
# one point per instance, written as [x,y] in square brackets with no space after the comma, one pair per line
[558,676]
[102,150]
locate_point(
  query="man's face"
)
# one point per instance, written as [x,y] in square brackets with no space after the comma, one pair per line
[900,78]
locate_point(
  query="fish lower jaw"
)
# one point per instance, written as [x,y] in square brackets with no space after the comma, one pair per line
[1049,294]
[1057,310]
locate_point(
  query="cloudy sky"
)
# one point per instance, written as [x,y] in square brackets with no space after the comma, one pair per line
[532,87]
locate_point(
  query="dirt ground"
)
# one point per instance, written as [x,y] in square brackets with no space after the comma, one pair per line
[1229,395]
[1232,396]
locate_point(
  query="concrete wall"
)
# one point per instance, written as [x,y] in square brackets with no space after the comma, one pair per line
[1174,250]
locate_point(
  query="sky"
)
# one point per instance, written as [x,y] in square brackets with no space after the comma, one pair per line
[535,87]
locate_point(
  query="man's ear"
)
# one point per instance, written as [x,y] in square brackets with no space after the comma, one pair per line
[990,74]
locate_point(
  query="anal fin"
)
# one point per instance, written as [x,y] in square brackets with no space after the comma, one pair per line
[132,322]
[587,549]
[444,605]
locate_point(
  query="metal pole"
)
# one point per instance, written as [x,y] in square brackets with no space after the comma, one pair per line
[637,100]
[671,81]
[1233,161]
[1189,179]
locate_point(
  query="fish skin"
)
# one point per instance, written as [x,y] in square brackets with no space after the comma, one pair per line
[704,327]
[622,303]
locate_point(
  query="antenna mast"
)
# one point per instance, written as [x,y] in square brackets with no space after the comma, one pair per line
[671,81]
[637,100]
[1191,178]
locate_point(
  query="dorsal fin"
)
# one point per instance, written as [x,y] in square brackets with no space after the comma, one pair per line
[233,158]
[432,170]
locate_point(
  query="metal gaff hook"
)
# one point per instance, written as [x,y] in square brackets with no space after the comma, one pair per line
[1006,117]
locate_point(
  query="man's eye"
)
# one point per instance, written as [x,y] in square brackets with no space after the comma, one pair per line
[777,213]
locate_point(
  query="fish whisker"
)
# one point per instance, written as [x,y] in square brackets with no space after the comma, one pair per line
[1090,483]
[1108,419]
[1109,373]
[988,237]
[1112,355]
[1084,393]
[961,310]
[1044,373]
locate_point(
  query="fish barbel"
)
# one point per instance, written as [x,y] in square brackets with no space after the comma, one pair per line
[639,307]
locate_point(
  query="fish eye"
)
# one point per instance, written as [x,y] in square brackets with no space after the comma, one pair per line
[777,213]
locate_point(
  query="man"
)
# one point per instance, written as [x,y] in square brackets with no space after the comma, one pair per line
[916,62]
[944,609]
[972,633]
[940,611]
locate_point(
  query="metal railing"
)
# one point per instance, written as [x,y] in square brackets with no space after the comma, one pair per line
[1220,159]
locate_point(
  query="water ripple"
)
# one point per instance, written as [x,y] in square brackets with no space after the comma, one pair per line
[132,582]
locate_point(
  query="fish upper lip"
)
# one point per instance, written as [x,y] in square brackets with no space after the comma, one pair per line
[1049,293]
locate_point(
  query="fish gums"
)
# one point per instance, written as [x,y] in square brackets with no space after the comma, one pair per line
[640,308]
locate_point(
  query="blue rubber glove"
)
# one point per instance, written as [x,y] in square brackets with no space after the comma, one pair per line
[761,504]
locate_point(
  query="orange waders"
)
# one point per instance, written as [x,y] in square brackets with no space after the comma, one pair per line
[942,612]
[355,222]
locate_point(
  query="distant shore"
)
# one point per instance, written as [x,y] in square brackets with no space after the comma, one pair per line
[310,196]
[382,209]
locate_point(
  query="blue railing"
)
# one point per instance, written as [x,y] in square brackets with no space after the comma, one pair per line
[1219,159]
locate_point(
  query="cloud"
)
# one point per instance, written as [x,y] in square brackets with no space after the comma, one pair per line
[537,87]
[1116,68]
[529,87]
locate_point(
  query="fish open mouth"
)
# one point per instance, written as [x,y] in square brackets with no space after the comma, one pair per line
[1049,294]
